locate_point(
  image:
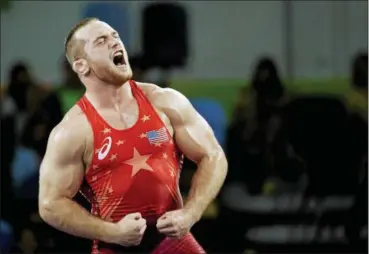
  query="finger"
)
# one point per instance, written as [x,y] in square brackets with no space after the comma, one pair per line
[164,224]
[135,216]
[142,231]
[137,242]
[165,216]
[168,231]
[140,224]
[176,235]
[173,236]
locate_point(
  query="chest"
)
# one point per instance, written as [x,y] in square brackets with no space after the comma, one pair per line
[129,136]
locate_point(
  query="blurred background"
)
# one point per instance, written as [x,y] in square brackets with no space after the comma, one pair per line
[282,83]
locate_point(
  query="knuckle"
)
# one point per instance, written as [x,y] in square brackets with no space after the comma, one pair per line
[137,242]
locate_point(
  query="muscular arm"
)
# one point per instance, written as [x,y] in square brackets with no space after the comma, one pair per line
[196,140]
[61,175]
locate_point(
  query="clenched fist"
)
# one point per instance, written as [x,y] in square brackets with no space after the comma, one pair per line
[130,230]
[176,223]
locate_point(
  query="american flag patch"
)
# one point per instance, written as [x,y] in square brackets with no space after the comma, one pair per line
[157,136]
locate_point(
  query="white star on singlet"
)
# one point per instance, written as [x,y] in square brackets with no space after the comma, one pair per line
[138,162]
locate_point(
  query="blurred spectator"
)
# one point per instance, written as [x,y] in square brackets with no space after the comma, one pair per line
[40,123]
[357,104]
[266,82]
[22,89]
[51,109]
[19,85]
[255,105]
[357,97]
[257,147]
[8,140]
[360,71]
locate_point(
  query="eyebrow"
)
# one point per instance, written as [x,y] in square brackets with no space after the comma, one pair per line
[99,37]
[114,33]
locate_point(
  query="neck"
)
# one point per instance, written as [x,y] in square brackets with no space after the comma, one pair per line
[106,95]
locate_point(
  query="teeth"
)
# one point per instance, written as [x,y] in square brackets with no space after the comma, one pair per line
[119,53]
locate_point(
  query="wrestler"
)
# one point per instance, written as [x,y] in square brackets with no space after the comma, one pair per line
[122,146]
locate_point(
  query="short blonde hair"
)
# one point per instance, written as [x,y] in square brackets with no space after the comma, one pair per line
[71,45]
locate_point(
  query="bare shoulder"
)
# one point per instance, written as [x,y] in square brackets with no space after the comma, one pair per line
[148,88]
[70,133]
[74,114]
[165,98]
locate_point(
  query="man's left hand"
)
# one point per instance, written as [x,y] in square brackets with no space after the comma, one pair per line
[176,223]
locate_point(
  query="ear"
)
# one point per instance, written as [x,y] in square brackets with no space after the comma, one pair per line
[81,67]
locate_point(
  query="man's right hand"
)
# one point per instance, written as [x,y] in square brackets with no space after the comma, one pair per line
[130,230]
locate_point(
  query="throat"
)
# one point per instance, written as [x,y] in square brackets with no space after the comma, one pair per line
[126,114]
[105,96]
[128,120]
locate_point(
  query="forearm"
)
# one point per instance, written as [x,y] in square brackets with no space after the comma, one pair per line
[206,183]
[69,217]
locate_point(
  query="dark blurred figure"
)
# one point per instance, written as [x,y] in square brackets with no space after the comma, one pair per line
[358,110]
[33,234]
[52,109]
[24,92]
[22,133]
[360,71]
[8,141]
[40,123]
[266,83]
[357,97]
[357,106]
[357,102]
[257,147]
[19,85]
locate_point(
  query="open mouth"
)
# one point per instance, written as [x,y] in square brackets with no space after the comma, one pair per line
[118,58]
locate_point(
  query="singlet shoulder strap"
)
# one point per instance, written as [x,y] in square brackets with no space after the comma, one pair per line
[84,105]
[137,92]
[89,111]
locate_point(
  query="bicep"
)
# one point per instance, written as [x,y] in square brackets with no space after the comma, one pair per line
[195,139]
[62,170]
[194,135]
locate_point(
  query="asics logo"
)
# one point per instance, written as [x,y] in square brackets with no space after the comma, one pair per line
[104,150]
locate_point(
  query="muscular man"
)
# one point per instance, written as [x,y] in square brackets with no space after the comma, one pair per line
[121,145]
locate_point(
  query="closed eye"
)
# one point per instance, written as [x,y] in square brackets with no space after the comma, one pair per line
[100,40]
[115,35]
